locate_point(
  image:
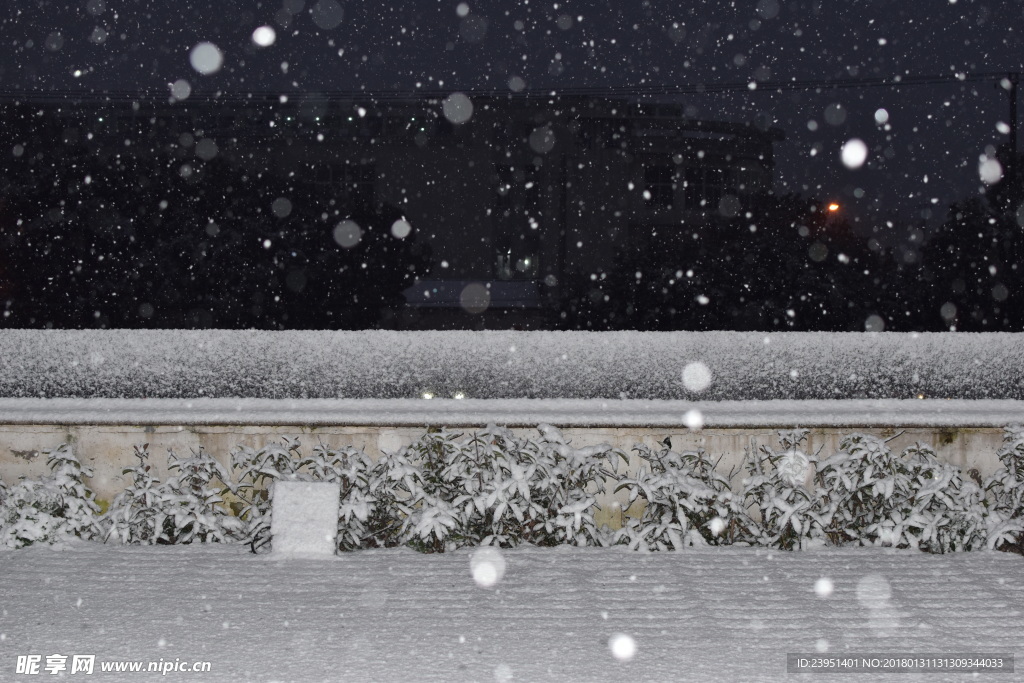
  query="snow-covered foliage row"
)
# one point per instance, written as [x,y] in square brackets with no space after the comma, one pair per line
[445,491]
[387,364]
[451,490]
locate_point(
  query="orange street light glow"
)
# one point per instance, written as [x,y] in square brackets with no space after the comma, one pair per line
[833,207]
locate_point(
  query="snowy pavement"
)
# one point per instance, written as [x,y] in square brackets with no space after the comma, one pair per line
[554,615]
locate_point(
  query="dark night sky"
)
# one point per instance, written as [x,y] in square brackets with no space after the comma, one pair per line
[930,152]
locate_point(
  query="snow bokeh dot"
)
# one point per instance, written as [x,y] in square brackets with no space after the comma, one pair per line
[793,467]
[206,58]
[542,140]
[874,323]
[487,565]
[824,587]
[347,233]
[716,526]
[281,207]
[696,376]
[401,228]
[181,89]
[54,41]
[874,591]
[457,108]
[990,170]
[475,297]
[206,149]
[502,673]
[835,114]
[264,36]
[854,153]
[473,28]
[694,420]
[327,14]
[623,647]
[768,9]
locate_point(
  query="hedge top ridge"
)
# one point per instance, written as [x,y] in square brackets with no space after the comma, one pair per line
[508,365]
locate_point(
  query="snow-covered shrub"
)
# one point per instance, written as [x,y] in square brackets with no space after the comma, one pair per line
[565,485]
[865,489]
[944,512]
[540,491]
[1005,494]
[352,468]
[492,487]
[426,480]
[197,510]
[872,496]
[393,484]
[52,508]
[255,470]
[31,514]
[776,486]
[433,494]
[140,512]
[686,503]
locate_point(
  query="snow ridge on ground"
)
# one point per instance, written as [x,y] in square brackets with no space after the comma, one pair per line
[709,366]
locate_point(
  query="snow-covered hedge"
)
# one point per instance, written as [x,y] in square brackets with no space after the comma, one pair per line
[386,364]
[493,487]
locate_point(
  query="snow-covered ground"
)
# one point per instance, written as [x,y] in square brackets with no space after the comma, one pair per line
[562,614]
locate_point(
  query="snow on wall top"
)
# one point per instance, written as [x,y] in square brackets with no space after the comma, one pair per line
[706,366]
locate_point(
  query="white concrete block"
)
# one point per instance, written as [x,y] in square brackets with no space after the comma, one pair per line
[304,518]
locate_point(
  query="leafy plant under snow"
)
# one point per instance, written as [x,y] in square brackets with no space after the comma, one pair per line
[776,487]
[1005,494]
[686,503]
[871,496]
[493,487]
[139,514]
[52,508]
